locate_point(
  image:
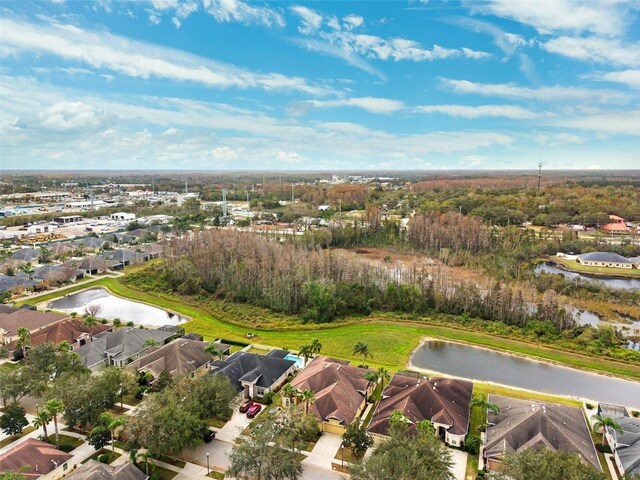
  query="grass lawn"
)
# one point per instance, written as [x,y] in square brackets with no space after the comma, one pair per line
[217,422]
[13,438]
[578,267]
[67,442]
[348,456]
[171,461]
[112,456]
[217,475]
[162,473]
[390,339]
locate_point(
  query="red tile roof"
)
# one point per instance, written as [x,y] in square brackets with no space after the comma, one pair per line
[41,457]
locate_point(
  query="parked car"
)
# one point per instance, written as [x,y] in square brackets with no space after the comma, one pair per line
[245,406]
[208,436]
[254,410]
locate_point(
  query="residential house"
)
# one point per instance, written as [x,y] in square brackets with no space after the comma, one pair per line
[60,248]
[94,470]
[194,336]
[92,244]
[443,401]
[255,375]
[625,444]
[91,265]
[524,424]
[604,259]
[124,257]
[341,392]
[57,273]
[153,250]
[70,330]
[40,460]
[123,216]
[121,347]
[25,318]
[176,330]
[617,225]
[179,358]
[8,282]
[28,255]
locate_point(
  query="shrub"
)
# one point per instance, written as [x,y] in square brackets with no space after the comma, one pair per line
[129,324]
[635,413]
[589,406]
[104,458]
[267,398]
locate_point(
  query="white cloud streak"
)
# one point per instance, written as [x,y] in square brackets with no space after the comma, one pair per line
[593,49]
[102,50]
[470,112]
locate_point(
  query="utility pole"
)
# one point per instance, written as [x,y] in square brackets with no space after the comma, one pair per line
[539,174]
[293,197]
[224,203]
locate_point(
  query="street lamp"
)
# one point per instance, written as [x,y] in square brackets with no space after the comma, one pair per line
[207,463]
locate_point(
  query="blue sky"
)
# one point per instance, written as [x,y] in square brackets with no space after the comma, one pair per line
[319,85]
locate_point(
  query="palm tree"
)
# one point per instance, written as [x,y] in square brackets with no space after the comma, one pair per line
[42,419]
[398,418]
[308,397]
[384,376]
[371,376]
[145,457]
[306,352]
[212,350]
[485,406]
[316,346]
[361,348]
[64,346]
[53,408]
[150,342]
[289,391]
[112,423]
[23,340]
[426,426]
[602,422]
[90,321]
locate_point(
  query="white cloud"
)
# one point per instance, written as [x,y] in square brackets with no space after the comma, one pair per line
[397,49]
[593,49]
[238,11]
[288,156]
[626,122]
[606,17]
[311,20]
[102,50]
[370,104]
[225,153]
[176,22]
[553,139]
[352,21]
[627,77]
[554,93]
[464,111]
[69,116]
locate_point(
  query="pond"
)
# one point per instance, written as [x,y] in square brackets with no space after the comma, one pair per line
[613,282]
[585,317]
[112,307]
[486,365]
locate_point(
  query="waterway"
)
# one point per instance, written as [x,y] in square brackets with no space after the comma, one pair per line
[113,307]
[482,364]
[613,282]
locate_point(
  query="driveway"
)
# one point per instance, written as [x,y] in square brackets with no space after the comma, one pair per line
[459,459]
[324,451]
[234,427]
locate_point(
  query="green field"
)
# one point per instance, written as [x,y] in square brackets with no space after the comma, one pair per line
[390,339]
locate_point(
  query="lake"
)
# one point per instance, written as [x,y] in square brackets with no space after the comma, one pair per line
[486,365]
[613,282]
[112,307]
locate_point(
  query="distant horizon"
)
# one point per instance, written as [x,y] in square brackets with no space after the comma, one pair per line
[334,86]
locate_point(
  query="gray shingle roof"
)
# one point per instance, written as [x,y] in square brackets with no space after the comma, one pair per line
[91,242]
[249,367]
[119,345]
[179,357]
[604,257]
[7,282]
[26,254]
[628,440]
[94,470]
[524,424]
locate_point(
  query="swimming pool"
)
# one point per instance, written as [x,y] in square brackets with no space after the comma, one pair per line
[299,361]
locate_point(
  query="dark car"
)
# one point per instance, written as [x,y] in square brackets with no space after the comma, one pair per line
[246,406]
[208,436]
[254,410]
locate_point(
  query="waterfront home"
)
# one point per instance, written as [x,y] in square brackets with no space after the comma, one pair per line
[255,375]
[35,459]
[94,470]
[179,358]
[57,273]
[624,443]
[341,392]
[121,347]
[604,259]
[29,255]
[443,401]
[524,424]
[15,282]
[32,320]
